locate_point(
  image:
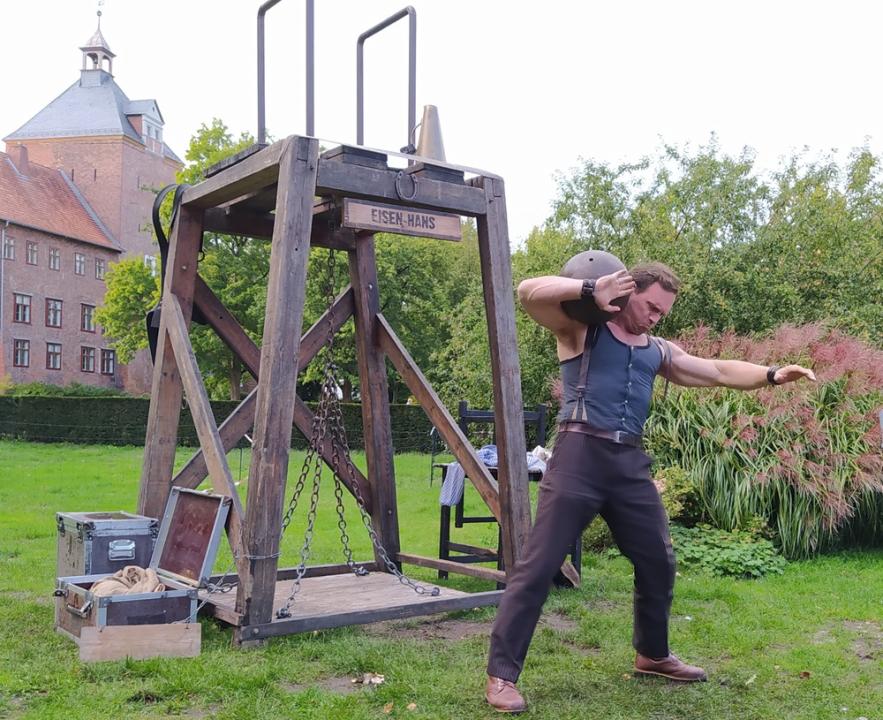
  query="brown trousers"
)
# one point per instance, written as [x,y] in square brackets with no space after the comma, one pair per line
[587,476]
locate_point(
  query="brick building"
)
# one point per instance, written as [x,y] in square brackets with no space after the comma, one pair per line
[77,184]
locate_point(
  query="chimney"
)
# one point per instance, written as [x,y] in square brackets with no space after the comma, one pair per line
[19,155]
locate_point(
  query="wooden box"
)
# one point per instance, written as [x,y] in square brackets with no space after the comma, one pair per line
[90,543]
[155,623]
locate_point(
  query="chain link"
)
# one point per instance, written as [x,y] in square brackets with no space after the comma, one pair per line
[328,424]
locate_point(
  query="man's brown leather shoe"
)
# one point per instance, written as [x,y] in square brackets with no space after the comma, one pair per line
[670,667]
[503,696]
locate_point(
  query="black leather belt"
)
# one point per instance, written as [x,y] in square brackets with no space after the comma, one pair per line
[617,436]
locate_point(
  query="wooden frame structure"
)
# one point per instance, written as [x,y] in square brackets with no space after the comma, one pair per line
[289,193]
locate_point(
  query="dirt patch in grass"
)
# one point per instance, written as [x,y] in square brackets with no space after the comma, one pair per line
[337,685]
[566,629]
[558,622]
[822,636]
[869,644]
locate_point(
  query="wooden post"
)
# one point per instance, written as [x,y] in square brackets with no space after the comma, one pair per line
[167,391]
[496,276]
[278,376]
[376,426]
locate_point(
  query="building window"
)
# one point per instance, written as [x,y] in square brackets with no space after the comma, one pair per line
[32,253]
[22,312]
[79,264]
[21,353]
[53,356]
[54,259]
[87,318]
[9,248]
[99,269]
[150,262]
[87,359]
[53,313]
[108,362]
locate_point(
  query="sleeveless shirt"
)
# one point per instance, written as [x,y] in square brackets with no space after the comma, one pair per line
[620,383]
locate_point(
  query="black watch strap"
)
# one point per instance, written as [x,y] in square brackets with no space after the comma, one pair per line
[771,374]
[588,289]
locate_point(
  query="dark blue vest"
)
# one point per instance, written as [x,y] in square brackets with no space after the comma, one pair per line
[620,383]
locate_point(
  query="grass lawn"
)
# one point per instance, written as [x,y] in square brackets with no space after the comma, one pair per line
[807,644]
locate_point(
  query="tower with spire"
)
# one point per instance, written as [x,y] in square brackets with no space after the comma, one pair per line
[97,52]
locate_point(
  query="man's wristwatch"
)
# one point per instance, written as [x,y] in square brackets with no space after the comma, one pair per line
[771,374]
[588,289]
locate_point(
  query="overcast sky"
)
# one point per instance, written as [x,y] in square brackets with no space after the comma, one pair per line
[522,93]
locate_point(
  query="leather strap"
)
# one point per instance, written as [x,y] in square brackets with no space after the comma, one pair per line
[579,413]
[616,436]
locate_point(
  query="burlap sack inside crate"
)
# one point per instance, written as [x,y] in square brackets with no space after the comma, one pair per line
[128,581]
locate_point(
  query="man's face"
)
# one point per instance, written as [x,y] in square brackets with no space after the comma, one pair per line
[645,309]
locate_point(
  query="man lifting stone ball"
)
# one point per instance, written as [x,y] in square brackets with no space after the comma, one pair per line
[601,315]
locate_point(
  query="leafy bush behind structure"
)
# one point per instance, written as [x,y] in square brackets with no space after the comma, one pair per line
[804,457]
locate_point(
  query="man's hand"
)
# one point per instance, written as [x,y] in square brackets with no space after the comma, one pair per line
[790,373]
[610,287]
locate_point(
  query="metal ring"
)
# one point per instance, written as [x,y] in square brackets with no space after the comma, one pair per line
[399,192]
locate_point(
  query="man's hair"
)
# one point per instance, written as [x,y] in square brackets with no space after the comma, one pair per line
[645,274]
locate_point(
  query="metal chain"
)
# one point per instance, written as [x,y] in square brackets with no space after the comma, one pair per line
[338,432]
[328,423]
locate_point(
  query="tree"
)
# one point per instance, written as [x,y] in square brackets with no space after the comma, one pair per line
[132,290]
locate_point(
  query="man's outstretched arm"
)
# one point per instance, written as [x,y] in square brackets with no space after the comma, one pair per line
[693,371]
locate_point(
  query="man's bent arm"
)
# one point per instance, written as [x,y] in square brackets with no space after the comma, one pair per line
[541,298]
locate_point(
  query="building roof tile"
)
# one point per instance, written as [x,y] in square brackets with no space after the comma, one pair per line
[44,199]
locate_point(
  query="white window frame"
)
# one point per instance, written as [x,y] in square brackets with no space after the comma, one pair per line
[26,313]
[53,356]
[87,359]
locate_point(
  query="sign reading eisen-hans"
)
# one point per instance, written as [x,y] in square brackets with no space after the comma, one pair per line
[403,220]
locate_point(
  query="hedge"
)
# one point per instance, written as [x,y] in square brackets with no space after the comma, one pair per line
[123,421]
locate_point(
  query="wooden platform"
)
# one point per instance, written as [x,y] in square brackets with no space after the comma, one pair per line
[338,600]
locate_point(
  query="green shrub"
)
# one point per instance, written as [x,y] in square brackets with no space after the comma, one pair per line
[735,553]
[805,456]
[37,389]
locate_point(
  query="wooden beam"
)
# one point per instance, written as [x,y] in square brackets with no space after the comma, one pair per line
[260,225]
[242,418]
[453,436]
[204,422]
[278,373]
[226,327]
[338,178]
[309,572]
[166,390]
[237,424]
[239,222]
[359,617]
[255,173]
[374,393]
[496,276]
[453,566]
[489,553]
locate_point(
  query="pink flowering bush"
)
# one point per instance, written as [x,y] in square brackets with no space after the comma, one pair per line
[805,457]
